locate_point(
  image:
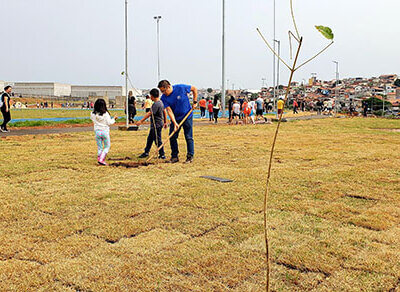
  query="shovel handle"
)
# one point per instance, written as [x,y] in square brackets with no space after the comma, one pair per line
[170,136]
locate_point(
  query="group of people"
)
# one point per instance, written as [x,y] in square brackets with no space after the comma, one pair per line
[173,102]
[247,110]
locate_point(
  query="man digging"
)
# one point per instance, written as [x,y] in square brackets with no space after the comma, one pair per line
[176,102]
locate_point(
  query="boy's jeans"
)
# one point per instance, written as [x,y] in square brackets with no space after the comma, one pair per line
[157,140]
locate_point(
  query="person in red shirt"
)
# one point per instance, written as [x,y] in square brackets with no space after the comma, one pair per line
[295,107]
[210,110]
[246,111]
[203,107]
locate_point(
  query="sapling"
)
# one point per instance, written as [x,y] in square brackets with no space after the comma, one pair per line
[328,34]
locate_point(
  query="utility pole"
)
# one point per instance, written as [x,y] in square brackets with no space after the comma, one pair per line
[383,99]
[277,73]
[263,81]
[337,84]
[274,66]
[158,18]
[223,59]
[126,63]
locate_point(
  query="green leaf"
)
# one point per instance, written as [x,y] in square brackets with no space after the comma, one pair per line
[326,31]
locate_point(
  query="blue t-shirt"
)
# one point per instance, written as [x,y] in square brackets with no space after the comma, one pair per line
[178,101]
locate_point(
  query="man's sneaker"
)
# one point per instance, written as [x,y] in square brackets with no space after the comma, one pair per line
[189,159]
[2,130]
[161,157]
[144,155]
[174,160]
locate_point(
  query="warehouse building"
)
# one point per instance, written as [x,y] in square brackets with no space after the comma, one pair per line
[42,89]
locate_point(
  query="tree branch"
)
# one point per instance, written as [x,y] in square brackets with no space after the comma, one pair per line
[309,60]
[294,20]
[272,50]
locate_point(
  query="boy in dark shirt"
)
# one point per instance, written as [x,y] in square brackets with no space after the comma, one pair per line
[158,120]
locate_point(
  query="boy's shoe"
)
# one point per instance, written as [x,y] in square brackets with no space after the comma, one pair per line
[161,157]
[144,155]
[174,160]
[3,130]
[189,159]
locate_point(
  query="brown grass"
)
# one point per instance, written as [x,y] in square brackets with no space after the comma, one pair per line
[67,224]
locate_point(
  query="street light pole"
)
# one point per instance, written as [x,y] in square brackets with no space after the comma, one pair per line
[158,18]
[273,64]
[223,58]
[263,81]
[337,83]
[277,74]
[126,63]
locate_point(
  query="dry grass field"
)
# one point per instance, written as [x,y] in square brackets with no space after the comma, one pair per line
[67,224]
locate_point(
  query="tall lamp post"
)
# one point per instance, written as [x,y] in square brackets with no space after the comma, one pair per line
[263,82]
[126,63]
[223,59]
[337,83]
[277,72]
[158,18]
[274,60]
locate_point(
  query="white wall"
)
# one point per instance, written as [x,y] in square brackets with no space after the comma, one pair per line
[86,91]
[42,89]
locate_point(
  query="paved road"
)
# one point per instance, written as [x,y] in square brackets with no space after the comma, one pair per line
[47,131]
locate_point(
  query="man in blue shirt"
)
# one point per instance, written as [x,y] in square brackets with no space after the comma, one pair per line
[176,102]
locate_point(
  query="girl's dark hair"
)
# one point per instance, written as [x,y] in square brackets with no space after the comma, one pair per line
[215,100]
[100,107]
[7,87]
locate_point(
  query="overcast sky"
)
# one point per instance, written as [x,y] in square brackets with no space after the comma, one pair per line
[82,41]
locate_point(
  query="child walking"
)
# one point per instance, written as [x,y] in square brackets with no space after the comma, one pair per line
[102,121]
[158,120]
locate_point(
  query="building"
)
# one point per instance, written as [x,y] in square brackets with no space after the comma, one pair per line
[86,91]
[41,89]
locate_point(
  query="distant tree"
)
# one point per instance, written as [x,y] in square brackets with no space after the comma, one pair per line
[377,104]
[397,82]
[254,95]
[209,90]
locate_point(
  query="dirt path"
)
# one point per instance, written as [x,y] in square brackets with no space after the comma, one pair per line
[62,130]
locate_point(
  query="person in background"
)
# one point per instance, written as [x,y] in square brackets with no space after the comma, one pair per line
[147,104]
[216,108]
[245,111]
[235,111]
[260,108]
[241,101]
[281,105]
[295,106]
[203,107]
[102,121]
[131,107]
[210,110]
[252,105]
[5,108]
[230,106]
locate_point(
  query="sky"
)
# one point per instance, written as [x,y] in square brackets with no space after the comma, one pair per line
[82,41]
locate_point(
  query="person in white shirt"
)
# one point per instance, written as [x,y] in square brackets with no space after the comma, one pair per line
[236,111]
[102,121]
[252,105]
[216,108]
